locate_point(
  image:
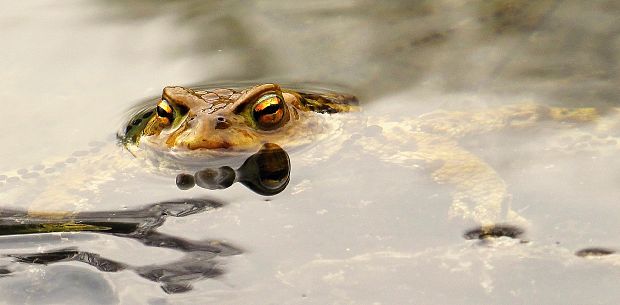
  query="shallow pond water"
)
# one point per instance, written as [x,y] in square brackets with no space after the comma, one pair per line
[481,168]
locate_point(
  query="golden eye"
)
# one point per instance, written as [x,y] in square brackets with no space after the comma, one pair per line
[268,111]
[165,112]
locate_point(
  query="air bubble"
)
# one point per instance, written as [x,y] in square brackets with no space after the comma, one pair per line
[594,252]
[30,175]
[80,153]
[494,231]
[38,167]
[12,180]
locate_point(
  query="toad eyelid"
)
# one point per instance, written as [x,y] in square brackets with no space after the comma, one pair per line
[252,95]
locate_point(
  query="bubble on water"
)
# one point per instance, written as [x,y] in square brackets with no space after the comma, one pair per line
[594,252]
[494,231]
[80,153]
[30,175]
[37,167]
[13,180]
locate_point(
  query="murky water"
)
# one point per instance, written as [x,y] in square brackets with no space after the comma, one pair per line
[482,168]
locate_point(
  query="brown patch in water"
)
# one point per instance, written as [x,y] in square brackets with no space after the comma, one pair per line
[494,231]
[594,252]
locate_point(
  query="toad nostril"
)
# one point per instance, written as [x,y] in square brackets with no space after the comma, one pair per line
[221,123]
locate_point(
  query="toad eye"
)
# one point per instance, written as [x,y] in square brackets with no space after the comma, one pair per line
[165,112]
[268,111]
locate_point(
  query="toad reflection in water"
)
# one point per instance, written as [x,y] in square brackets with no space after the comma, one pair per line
[266,172]
[198,263]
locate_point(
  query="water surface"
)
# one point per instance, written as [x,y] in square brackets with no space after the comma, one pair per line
[350,228]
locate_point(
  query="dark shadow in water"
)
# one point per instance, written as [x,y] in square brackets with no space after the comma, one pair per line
[139,225]
[266,172]
[594,252]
